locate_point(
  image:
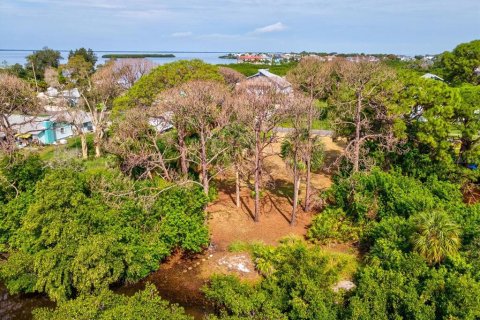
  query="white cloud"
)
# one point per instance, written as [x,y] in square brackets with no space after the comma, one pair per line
[271,28]
[182,34]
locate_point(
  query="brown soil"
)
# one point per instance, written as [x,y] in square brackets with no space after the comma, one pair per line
[228,223]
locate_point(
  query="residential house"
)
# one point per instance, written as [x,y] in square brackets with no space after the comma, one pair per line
[280,83]
[54,99]
[49,129]
[251,59]
[432,76]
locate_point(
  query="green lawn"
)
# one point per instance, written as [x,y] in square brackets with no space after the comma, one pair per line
[249,69]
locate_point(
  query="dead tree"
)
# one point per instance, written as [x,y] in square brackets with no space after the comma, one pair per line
[16,98]
[98,94]
[232,77]
[173,105]
[135,141]
[133,69]
[297,150]
[201,108]
[314,78]
[210,112]
[260,107]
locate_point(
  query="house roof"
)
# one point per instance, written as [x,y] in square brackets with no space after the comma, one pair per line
[278,81]
[35,124]
[431,76]
[27,124]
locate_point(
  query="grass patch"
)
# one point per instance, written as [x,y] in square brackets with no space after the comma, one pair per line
[242,246]
[249,69]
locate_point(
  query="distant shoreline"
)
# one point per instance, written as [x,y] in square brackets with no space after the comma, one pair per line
[137,55]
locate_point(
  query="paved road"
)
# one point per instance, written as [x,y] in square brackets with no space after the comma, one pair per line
[322,133]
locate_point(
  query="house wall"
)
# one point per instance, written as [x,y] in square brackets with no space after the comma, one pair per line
[63,131]
[48,135]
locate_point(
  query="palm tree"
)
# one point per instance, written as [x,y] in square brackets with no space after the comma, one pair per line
[436,236]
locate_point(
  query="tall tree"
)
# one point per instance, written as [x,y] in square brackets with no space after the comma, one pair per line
[210,112]
[462,64]
[201,108]
[314,79]
[430,115]
[39,60]
[87,54]
[365,109]
[299,149]
[105,86]
[97,90]
[240,149]
[76,75]
[16,98]
[260,107]
[467,120]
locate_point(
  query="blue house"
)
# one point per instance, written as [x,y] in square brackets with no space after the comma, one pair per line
[49,129]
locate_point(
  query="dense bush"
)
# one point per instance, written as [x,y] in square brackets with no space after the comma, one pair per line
[332,225]
[78,232]
[146,305]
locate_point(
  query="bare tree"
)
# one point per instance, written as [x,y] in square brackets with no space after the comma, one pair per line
[365,108]
[297,148]
[210,112]
[314,79]
[136,141]
[77,73]
[98,92]
[174,105]
[133,69]
[201,108]
[240,150]
[260,107]
[16,98]
[232,77]
[51,77]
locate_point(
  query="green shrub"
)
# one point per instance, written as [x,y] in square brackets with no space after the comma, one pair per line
[332,225]
[146,304]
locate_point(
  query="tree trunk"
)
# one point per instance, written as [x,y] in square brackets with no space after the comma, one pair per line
[98,141]
[296,185]
[203,161]
[466,145]
[183,152]
[258,175]
[309,157]
[308,185]
[83,140]
[356,146]
[237,187]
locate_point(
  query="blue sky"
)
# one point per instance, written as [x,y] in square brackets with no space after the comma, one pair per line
[371,26]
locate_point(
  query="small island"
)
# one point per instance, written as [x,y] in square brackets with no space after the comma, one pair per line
[137,55]
[229,56]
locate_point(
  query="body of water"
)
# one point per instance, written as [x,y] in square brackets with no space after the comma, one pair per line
[11,57]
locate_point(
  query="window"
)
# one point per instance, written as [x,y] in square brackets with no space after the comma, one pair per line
[62,130]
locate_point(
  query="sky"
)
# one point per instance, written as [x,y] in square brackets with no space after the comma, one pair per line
[369,26]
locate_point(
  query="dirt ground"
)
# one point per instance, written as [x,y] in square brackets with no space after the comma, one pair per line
[228,223]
